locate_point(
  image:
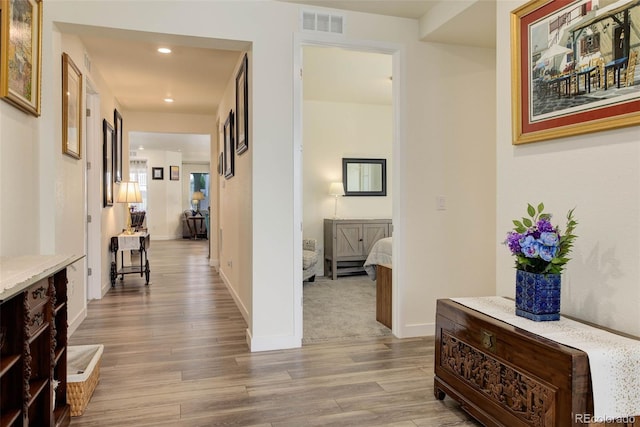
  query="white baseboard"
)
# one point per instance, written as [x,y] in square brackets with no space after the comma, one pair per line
[417,330]
[261,343]
[269,343]
[75,322]
[236,297]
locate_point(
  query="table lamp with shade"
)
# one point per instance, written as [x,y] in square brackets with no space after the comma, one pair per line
[196,197]
[129,193]
[336,189]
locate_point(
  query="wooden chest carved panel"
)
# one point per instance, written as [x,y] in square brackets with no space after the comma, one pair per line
[505,376]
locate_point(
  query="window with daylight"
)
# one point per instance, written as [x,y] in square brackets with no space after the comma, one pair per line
[199,181]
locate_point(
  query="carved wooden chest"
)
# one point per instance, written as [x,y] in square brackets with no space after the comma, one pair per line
[505,376]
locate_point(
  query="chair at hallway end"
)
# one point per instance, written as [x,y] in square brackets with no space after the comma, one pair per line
[137,220]
[309,260]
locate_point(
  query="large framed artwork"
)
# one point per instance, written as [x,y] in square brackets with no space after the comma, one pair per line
[242,111]
[71,108]
[228,146]
[21,53]
[117,124]
[574,67]
[107,162]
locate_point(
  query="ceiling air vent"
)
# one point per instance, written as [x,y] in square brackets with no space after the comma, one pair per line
[322,22]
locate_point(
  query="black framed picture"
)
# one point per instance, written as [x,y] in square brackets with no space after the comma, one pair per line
[107,162]
[242,112]
[157,173]
[228,146]
[117,121]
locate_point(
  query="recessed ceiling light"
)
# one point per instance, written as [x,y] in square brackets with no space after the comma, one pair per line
[168,100]
[164,50]
[141,148]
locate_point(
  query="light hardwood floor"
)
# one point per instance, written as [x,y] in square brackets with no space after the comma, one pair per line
[175,355]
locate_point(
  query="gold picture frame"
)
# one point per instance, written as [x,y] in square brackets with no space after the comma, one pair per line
[21,54]
[174,173]
[71,108]
[572,68]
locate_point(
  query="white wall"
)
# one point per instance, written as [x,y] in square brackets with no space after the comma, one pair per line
[164,196]
[598,174]
[451,153]
[446,109]
[334,130]
[235,207]
[19,179]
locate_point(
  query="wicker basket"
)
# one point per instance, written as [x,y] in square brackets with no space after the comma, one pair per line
[84,359]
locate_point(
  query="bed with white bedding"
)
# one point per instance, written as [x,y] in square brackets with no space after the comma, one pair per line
[380,254]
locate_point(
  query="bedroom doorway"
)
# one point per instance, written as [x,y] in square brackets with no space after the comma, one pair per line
[346,111]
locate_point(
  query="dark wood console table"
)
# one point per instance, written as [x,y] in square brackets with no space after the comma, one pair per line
[33,340]
[138,241]
[505,376]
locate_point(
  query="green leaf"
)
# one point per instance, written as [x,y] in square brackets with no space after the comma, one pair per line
[540,207]
[531,210]
[527,222]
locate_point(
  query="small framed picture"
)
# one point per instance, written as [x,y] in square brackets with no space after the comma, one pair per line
[228,147]
[107,163]
[221,164]
[117,125]
[71,107]
[242,111]
[157,173]
[174,173]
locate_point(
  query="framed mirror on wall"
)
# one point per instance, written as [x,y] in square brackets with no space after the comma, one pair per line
[364,177]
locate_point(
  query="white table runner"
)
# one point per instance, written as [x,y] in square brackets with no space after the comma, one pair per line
[130,242]
[614,360]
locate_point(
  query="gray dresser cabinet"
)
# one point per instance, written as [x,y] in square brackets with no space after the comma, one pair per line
[347,243]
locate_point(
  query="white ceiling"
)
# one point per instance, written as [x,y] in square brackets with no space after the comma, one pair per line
[196,73]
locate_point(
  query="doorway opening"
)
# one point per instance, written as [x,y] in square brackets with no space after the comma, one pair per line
[338,124]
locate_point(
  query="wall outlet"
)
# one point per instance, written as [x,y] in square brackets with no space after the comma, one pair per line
[441,203]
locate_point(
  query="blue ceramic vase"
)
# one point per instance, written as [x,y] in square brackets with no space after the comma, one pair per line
[537,296]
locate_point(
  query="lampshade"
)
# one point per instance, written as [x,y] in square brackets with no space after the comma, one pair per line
[197,195]
[129,193]
[336,189]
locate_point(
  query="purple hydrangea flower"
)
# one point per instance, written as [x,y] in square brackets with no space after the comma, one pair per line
[544,225]
[512,242]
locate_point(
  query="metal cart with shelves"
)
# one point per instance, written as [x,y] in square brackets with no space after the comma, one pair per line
[138,241]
